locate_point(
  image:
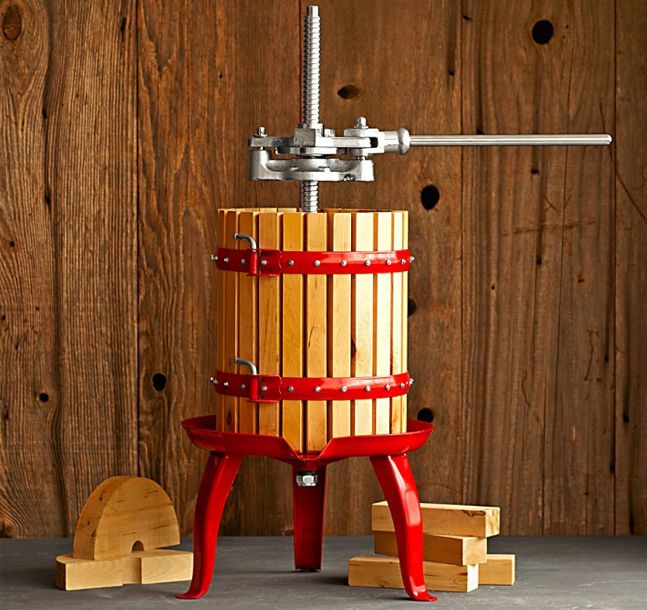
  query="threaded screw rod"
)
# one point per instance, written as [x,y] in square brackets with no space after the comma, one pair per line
[311,63]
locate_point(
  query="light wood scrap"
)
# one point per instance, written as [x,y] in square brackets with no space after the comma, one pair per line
[497,570]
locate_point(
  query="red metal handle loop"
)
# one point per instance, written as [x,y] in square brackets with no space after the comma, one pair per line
[273,388]
[270,262]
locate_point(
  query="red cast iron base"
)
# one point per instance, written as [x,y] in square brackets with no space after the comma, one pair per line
[388,455]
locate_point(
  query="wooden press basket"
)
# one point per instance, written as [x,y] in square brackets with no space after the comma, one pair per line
[293,325]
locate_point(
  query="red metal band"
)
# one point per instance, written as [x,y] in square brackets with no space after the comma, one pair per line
[273,388]
[267,262]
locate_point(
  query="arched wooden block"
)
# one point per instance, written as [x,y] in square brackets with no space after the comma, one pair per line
[123,511]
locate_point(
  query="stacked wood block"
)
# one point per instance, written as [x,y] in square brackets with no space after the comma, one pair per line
[454,549]
[313,325]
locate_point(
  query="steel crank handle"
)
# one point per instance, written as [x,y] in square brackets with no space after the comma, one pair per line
[587,139]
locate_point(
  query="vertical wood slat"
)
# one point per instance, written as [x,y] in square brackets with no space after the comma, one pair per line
[247,321]
[315,333]
[221,324]
[292,331]
[231,328]
[362,322]
[382,322]
[404,318]
[269,329]
[339,322]
[397,297]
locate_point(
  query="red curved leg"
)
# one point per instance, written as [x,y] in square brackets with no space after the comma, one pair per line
[308,516]
[399,487]
[218,477]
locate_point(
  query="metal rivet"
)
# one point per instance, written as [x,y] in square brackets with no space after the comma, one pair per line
[343,263]
[367,263]
[213,380]
[403,261]
[387,387]
[242,386]
[317,388]
[412,258]
[316,263]
[214,258]
[263,388]
[290,388]
[367,388]
[225,260]
[344,388]
[291,263]
[411,381]
[242,261]
[225,383]
[263,261]
[402,386]
[388,263]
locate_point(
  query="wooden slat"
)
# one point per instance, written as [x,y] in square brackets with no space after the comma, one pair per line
[631,269]
[292,347]
[269,327]
[376,571]
[398,322]
[248,321]
[405,325]
[315,333]
[339,322]
[362,322]
[230,306]
[221,325]
[382,322]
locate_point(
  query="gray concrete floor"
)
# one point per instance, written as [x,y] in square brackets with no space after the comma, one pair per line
[255,573]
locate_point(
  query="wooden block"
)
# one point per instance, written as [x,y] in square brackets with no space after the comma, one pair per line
[497,570]
[362,323]
[315,333]
[221,322]
[269,351]
[382,326]
[292,351]
[140,567]
[399,318]
[248,321]
[445,519]
[339,321]
[457,550]
[372,571]
[405,317]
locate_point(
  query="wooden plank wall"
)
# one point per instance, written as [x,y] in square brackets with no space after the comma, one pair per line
[123,129]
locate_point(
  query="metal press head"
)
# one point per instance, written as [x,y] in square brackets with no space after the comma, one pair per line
[317,154]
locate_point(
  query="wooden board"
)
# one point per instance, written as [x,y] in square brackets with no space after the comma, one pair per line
[339,322]
[221,325]
[398,324]
[248,321]
[445,519]
[376,571]
[269,322]
[630,356]
[229,303]
[293,314]
[497,570]
[457,550]
[316,333]
[382,322]
[362,335]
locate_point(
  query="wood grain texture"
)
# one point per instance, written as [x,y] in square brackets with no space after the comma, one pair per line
[68,262]
[537,268]
[631,269]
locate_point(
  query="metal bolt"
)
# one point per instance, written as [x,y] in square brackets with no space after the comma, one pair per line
[367,388]
[361,123]
[343,263]
[291,263]
[306,479]
[316,263]
[388,263]
[317,389]
[387,387]
[225,260]
[225,384]
[242,386]
[403,261]
[213,380]
[367,263]
[290,388]
[263,262]
[214,258]
[243,261]
[412,258]
[263,388]
[402,386]
[344,388]
[260,132]
[411,381]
